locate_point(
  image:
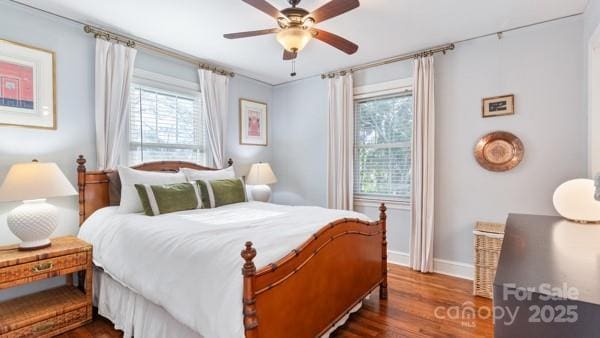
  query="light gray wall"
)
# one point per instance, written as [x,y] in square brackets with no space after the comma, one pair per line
[385,73]
[591,22]
[74,57]
[159,64]
[244,155]
[299,132]
[591,19]
[541,65]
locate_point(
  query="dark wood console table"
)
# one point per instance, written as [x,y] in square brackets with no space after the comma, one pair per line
[541,256]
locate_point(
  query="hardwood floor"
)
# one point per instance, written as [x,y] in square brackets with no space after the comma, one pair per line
[419,305]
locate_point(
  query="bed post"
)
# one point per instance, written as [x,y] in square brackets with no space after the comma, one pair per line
[81,187]
[249,297]
[383,289]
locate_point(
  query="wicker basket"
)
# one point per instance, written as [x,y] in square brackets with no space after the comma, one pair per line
[488,242]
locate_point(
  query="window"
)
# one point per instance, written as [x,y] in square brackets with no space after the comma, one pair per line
[382,151]
[165,124]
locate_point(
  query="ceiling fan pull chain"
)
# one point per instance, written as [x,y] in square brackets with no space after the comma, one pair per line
[293,73]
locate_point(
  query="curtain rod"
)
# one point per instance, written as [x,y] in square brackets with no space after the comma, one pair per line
[431,51]
[435,50]
[130,42]
[499,34]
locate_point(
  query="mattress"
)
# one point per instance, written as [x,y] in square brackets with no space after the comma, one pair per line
[188,263]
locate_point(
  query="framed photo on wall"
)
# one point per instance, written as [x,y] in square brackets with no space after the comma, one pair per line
[253,123]
[27,84]
[498,106]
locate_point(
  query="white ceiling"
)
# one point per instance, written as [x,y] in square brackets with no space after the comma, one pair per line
[382,28]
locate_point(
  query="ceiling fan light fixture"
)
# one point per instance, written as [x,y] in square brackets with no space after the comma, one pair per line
[308,22]
[283,22]
[294,39]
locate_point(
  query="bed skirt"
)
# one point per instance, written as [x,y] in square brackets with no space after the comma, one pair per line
[138,317]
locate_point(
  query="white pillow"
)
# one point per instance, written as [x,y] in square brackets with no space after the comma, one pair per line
[193,175]
[130,201]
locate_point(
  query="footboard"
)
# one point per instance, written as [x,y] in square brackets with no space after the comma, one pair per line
[306,292]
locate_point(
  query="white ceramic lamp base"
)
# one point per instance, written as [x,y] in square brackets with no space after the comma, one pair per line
[33,222]
[261,193]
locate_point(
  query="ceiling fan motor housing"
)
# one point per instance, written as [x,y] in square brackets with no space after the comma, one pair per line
[295,14]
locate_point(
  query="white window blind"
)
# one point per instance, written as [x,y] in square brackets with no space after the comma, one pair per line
[165,125]
[382,152]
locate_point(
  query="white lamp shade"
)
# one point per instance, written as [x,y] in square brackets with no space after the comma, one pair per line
[574,200]
[35,180]
[294,39]
[261,173]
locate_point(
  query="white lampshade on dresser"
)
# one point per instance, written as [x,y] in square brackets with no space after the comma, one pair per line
[259,177]
[35,220]
[574,200]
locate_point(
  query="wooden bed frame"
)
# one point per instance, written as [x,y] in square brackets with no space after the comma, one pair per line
[305,293]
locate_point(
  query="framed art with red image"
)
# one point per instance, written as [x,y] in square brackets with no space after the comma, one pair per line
[253,123]
[27,86]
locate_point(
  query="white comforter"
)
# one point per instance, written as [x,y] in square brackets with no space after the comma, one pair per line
[189,262]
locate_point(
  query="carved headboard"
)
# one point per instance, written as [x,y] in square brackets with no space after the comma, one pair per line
[99,189]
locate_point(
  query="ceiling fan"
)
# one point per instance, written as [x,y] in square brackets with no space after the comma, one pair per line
[296,25]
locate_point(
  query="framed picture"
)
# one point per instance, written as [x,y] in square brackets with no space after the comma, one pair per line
[27,83]
[253,123]
[498,106]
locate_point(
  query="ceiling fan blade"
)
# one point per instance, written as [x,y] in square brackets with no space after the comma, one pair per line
[333,9]
[251,33]
[264,7]
[289,55]
[336,41]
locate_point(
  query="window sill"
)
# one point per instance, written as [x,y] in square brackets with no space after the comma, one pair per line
[376,202]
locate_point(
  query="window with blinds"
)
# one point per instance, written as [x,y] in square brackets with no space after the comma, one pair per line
[165,125]
[382,151]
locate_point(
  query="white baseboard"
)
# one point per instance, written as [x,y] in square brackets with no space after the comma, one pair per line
[398,258]
[446,267]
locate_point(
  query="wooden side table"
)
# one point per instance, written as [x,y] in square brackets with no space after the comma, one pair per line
[54,311]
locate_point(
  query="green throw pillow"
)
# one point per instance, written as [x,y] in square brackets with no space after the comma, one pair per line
[218,193]
[163,199]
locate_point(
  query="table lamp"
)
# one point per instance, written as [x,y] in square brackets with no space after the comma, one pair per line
[575,200]
[35,220]
[259,177]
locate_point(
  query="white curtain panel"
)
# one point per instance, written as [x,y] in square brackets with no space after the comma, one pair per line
[341,143]
[113,73]
[215,98]
[421,241]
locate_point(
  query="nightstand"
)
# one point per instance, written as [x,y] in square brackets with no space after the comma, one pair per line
[50,312]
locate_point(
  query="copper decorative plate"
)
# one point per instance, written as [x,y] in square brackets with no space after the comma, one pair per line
[499,151]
